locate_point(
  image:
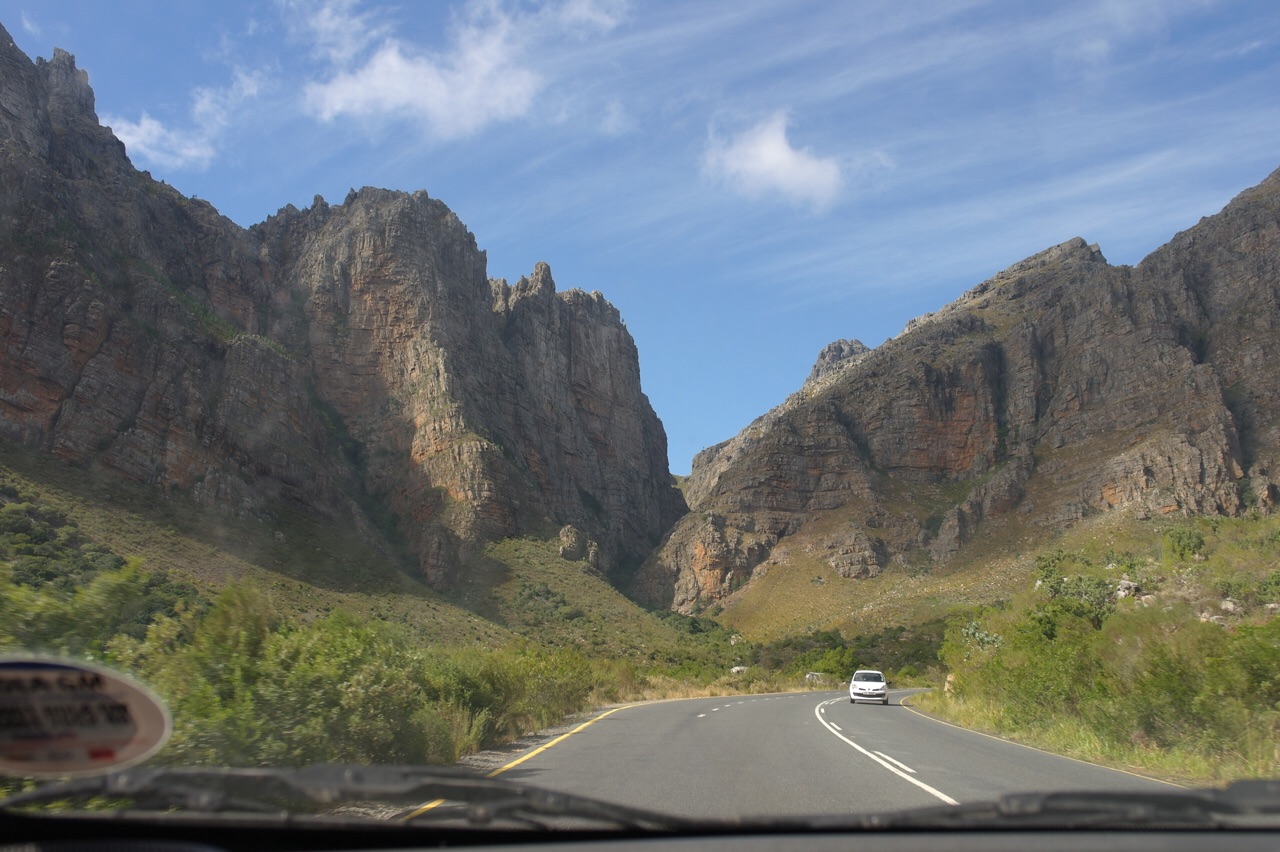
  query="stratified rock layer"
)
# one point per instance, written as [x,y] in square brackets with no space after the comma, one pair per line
[355,361]
[351,360]
[1151,388]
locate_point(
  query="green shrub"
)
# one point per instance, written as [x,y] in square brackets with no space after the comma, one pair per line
[1131,680]
[1185,541]
[248,688]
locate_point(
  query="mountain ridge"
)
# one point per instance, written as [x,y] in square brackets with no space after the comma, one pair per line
[355,361]
[895,459]
[352,360]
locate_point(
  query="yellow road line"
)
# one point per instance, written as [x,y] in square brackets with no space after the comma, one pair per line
[559,739]
[501,769]
[422,810]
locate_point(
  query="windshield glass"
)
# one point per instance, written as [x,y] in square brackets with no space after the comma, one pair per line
[567,393]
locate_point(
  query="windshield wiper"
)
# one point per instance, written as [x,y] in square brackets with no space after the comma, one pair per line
[212,790]
[1241,804]
[458,795]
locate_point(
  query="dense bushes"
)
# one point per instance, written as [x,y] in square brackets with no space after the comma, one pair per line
[248,687]
[1070,664]
[901,651]
[247,690]
[64,594]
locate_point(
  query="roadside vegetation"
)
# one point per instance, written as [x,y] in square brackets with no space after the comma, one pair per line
[907,655]
[1164,658]
[1151,645]
[258,670]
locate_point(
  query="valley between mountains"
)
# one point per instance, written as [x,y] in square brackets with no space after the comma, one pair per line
[339,412]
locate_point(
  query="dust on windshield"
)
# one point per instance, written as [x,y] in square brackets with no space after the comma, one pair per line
[288,480]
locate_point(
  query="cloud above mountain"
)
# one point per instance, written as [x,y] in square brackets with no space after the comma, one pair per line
[761,160]
[193,146]
[485,75]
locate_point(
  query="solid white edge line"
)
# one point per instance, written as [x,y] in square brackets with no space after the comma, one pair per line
[897,763]
[895,770]
[931,718]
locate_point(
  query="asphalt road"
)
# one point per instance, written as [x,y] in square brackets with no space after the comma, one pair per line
[793,754]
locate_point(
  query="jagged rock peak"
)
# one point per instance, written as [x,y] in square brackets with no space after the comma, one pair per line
[1059,388]
[834,356]
[37,97]
[538,285]
[344,360]
[1074,253]
[539,288]
[53,91]
[69,91]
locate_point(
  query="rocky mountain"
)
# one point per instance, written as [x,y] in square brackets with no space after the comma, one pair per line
[349,360]
[1060,388]
[353,361]
[834,356]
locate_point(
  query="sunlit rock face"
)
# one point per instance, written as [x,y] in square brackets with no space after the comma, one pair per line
[355,361]
[1060,388]
[350,360]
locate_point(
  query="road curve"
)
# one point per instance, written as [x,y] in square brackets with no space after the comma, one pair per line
[794,754]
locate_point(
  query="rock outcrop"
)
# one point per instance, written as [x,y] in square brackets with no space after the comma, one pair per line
[350,360]
[834,356]
[1061,387]
[355,361]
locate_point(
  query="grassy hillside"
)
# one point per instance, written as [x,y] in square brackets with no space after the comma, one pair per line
[307,569]
[1180,677]
[289,640]
[526,586]
[801,593]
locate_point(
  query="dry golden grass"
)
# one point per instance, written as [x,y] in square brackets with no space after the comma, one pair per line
[308,568]
[1259,758]
[801,593]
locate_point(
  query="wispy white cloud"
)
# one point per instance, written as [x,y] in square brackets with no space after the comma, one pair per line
[476,83]
[160,145]
[587,15]
[761,160]
[336,30]
[191,147]
[1090,39]
[30,25]
[483,77]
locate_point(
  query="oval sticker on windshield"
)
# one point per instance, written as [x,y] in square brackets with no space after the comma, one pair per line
[60,717]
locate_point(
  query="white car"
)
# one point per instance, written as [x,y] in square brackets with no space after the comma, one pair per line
[868,685]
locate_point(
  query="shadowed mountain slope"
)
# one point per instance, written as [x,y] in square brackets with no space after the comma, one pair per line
[353,360]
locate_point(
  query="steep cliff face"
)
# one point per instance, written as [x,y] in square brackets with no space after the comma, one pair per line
[345,360]
[1093,387]
[481,410]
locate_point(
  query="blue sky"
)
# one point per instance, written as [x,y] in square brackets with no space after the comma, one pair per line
[746,180]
